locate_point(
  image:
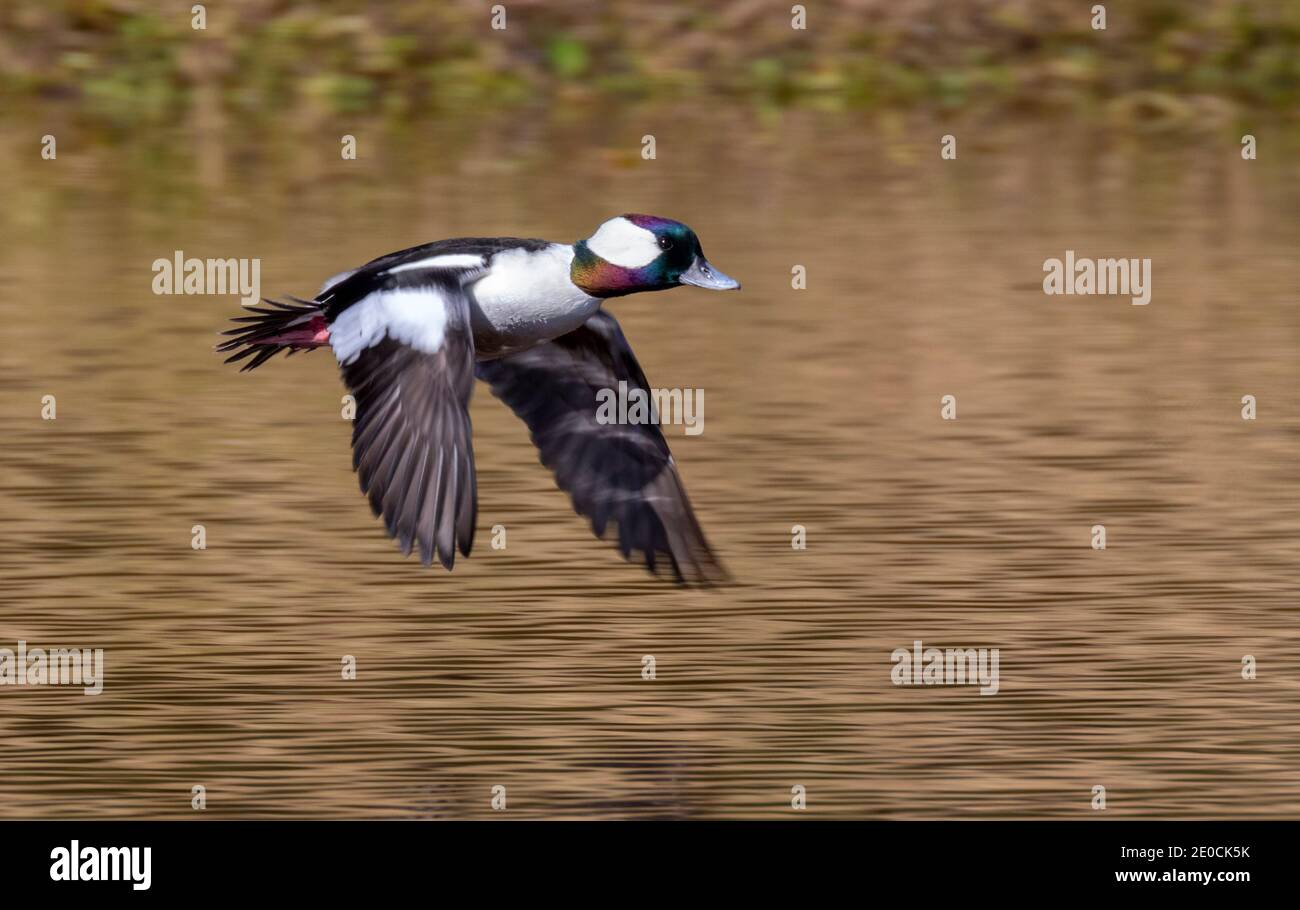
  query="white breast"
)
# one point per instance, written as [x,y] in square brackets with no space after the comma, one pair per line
[527,297]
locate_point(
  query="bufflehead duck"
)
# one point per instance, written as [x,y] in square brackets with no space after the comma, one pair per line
[411,331]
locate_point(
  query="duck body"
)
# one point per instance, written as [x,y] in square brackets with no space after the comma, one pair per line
[520,291]
[411,331]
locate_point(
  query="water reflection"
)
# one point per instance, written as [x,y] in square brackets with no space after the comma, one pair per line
[523,668]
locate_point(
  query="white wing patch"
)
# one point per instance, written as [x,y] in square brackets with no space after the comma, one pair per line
[623,243]
[413,316]
[447,261]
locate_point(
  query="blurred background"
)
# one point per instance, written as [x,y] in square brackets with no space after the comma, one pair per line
[781,147]
[127,63]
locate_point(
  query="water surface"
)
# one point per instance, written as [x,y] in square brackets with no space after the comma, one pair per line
[523,668]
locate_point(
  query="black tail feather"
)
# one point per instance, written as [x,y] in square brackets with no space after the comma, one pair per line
[252,337]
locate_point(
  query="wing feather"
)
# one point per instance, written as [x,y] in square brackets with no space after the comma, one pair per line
[412,441]
[618,476]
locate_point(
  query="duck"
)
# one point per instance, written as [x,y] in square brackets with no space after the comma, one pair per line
[413,330]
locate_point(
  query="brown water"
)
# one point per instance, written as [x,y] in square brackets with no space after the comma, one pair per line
[1119,668]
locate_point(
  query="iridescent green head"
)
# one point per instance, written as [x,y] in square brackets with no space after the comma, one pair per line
[633,253]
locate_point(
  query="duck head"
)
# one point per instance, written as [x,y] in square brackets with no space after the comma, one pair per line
[633,253]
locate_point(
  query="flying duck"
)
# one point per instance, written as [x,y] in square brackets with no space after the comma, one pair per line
[411,330]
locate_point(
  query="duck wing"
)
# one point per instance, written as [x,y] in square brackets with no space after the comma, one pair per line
[620,476]
[406,351]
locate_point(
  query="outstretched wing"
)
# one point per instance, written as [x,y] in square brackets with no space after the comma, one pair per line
[407,355]
[615,473]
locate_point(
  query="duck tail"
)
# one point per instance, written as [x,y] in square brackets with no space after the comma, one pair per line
[292,326]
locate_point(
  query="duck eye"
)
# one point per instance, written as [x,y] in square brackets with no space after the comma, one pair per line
[665,243]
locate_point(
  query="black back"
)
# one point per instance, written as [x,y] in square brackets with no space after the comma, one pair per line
[371,277]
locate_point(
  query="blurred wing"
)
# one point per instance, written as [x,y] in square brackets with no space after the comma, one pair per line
[616,473]
[407,355]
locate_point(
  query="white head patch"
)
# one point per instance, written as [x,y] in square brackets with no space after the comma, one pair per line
[624,244]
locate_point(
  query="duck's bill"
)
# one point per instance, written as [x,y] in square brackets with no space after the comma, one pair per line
[703,275]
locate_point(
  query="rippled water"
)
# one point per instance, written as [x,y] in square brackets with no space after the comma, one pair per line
[1119,668]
